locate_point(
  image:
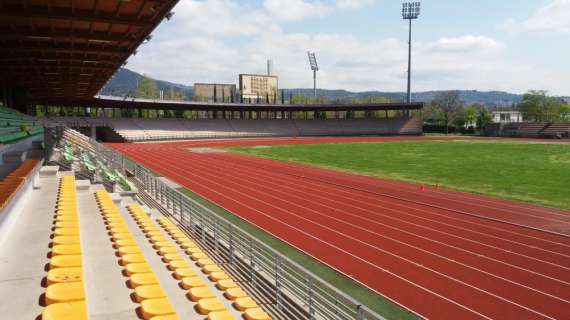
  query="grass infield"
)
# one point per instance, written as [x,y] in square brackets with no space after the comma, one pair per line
[532,172]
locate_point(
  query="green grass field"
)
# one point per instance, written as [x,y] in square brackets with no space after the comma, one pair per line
[532,172]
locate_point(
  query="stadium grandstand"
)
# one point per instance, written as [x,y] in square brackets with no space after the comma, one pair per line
[87,233]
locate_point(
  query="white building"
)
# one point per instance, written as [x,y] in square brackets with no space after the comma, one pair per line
[507,116]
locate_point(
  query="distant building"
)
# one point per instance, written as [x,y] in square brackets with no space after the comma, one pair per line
[215,92]
[258,87]
[507,116]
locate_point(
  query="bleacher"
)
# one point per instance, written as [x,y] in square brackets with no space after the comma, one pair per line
[558,129]
[15,126]
[531,129]
[168,128]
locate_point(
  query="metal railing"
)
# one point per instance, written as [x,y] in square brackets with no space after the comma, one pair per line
[284,288]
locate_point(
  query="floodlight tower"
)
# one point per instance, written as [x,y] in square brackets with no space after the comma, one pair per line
[410,11]
[315,68]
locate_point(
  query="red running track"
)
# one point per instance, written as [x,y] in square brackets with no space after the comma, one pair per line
[442,254]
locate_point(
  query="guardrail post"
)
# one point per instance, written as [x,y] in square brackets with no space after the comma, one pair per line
[278,281]
[251,262]
[231,243]
[310,300]
[216,235]
[359,312]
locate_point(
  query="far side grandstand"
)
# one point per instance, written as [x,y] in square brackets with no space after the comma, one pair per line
[229,120]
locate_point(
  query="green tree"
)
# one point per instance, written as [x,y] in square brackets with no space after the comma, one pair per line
[484,117]
[538,106]
[451,104]
[146,89]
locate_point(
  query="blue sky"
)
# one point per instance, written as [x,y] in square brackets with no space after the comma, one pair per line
[361,44]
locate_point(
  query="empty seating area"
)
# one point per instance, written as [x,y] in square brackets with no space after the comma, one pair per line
[170,128]
[15,126]
[559,130]
[65,293]
[10,185]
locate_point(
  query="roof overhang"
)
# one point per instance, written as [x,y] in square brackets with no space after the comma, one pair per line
[67,50]
[131,103]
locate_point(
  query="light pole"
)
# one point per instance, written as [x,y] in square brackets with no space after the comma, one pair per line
[410,11]
[315,68]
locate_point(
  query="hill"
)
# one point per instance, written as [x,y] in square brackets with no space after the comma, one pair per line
[125,81]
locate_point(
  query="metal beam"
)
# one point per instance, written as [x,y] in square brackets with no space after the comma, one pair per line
[65,14]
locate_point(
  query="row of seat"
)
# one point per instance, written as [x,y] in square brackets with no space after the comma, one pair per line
[65,292]
[154,303]
[12,183]
[198,289]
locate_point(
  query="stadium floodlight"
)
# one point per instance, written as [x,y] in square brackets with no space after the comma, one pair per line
[410,11]
[315,68]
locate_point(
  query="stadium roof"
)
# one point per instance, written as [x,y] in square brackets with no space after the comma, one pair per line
[132,103]
[68,49]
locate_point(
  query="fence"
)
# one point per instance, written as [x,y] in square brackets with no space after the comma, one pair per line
[284,288]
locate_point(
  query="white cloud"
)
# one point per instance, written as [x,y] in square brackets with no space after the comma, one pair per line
[295,10]
[353,4]
[210,49]
[553,18]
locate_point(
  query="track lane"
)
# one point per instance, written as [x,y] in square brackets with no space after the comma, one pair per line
[413,241]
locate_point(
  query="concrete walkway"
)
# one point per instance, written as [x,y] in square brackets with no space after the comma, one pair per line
[24,254]
[108,296]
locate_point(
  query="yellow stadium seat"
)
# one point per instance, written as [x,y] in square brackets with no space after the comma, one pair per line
[60,275]
[66,232]
[166,250]
[198,256]
[67,224]
[68,261]
[119,230]
[188,244]
[142,279]
[176,264]
[199,293]
[66,249]
[204,262]
[226,284]
[149,292]
[122,236]
[155,239]
[245,303]
[256,314]
[66,240]
[154,233]
[172,256]
[156,307]
[129,250]
[126,243]
[210,268]
[221,315]
[65,292]
[184,272]
[163,244]
[218,275]
[66,218]
[66,311]
[132,258]
[192,282]
[141,267]
[208,305]
[234,293]
[193,250]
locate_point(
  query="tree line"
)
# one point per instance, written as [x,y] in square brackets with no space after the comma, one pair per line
[448,113]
